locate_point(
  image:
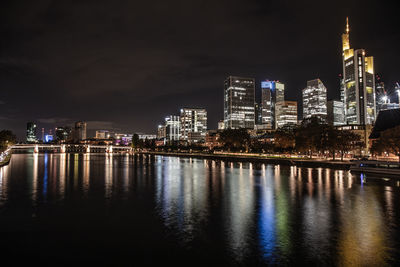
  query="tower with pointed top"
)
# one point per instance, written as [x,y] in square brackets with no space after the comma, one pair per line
[358,83]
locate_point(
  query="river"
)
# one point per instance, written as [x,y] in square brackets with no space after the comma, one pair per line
[125,210]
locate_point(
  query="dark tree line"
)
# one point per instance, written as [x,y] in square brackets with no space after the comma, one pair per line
[7,138]
[388,141]
[140,143]
[311,137]
[314,137]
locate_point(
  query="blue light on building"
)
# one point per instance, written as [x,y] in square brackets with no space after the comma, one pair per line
[48,138]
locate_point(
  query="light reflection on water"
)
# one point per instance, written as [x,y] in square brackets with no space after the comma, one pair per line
[249,213]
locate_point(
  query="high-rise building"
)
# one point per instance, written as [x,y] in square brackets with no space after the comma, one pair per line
[193,124]
[63,134]
[314,100]
[239,102]
[286,113]
[43,135]
[257,114]
[342,89]
[172,128]
[31,132]
[80,131]
[381,96]
[359,80]
[336,114]
[397,90]
[271,93]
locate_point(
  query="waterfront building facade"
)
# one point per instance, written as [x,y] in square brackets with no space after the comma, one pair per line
[359,84]
[123,139]
[314,100]
[239,94]
[286,114]
[193,125]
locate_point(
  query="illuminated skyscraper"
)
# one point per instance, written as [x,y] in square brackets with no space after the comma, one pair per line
[314,100]
[359,83]
[257,113]
[271,93]
[286,113]
[336,114]
[193,124]
[31,132]
[239,103]
[79,131]
[63,134]
[172,128]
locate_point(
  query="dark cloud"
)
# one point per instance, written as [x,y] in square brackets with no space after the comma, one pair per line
[133,62]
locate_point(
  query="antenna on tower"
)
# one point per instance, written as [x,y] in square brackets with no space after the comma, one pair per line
[347,25]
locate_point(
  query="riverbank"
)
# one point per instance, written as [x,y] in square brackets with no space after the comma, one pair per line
[300,162]
[5,157]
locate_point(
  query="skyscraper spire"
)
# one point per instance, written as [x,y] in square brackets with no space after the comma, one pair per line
[347,25]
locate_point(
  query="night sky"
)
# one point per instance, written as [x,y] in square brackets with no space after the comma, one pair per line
[125,65]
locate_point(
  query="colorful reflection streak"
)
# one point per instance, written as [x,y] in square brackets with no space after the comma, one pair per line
[237,213]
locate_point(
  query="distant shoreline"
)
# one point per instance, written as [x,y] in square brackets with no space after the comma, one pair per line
[311,163]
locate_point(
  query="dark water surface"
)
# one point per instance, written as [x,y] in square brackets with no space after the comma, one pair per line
[94,209]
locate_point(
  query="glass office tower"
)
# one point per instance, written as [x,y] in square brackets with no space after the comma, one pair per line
[239,102]
[359,84]
[271,93]
[31,132]
[314,100]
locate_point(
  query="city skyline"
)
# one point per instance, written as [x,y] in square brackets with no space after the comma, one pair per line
[22,73]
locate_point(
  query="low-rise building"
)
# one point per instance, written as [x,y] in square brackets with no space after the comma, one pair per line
[102,134]
[147,136]
[123,139]
[364,132]
[212,139]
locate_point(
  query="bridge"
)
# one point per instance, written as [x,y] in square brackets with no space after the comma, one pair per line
[64,148]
